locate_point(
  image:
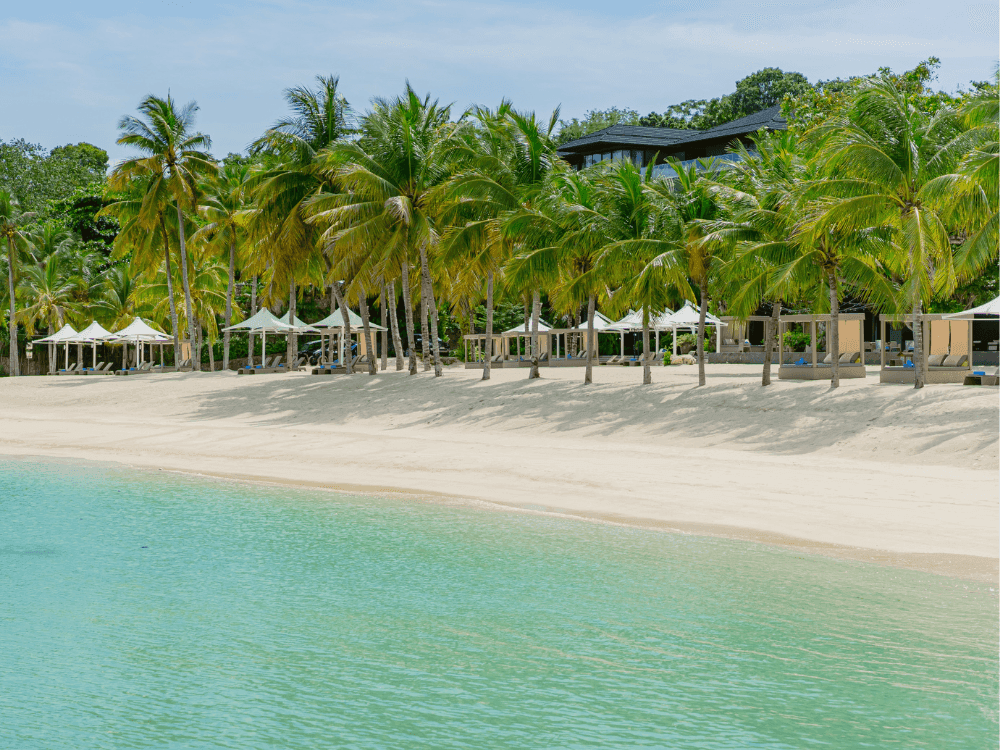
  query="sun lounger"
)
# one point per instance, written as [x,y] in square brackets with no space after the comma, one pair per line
[616,359]
[983,376]
[71,370]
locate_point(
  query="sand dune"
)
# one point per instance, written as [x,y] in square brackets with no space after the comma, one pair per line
[872,472]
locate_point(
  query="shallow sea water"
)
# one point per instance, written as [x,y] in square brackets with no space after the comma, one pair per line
[148,610]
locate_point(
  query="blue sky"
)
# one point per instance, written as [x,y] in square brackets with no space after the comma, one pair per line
[70,70]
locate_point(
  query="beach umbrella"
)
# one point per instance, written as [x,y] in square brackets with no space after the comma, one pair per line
[688,317]
[140,332]
[334,324]
[93,334]
[63,336]
[264,322]
[991,308]
[633,322]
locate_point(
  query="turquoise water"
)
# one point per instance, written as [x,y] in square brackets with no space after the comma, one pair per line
[144,610]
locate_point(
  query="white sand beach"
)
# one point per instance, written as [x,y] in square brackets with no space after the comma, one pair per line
[880,473]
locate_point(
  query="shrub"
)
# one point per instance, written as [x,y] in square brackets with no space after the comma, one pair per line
[687,341]
[666,358]
[796,341]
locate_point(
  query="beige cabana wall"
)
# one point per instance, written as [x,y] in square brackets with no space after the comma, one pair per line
[849,335]
[939,334]
[960,335]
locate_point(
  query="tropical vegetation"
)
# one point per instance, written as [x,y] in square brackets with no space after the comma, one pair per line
[882,191]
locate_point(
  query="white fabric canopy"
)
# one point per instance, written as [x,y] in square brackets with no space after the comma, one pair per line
[687,317]
[263,322]
[990,308]
[336,320]
[95,332]
[300,327]
[542,328]
[139,330]
[64,334]
[633,321]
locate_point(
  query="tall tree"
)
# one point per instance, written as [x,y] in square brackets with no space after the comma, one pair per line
[176,160]
[13,234]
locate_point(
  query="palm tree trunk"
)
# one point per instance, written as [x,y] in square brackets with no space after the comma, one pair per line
[408,313]
[253,311]
[369,349]
[188,307]
[591,340]
[397,342]
[170,291]
[702,311]
[385,333]
[425,331]
[918,343]
[292,350]
[229,305]
[432,309]
[647,375]
[15,365]
[345,331]
[488,347]
[833,335]
[536,311]
[770,341]
[211,350]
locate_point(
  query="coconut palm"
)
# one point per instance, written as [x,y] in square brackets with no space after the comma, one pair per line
[282,240]
[385,209]
[224,207]
[881,156]
[640,259]
[15,239]
[691,201]
[174,161]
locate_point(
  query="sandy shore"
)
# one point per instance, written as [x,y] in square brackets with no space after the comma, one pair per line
[870,472]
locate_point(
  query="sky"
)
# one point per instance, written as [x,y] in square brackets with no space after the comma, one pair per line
[70,70]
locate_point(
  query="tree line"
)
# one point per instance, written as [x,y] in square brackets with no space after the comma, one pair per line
[881,189]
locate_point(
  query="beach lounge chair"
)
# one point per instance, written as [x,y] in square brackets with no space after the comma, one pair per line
[251,369]
[983,376]
[71,370]
[89,370]
[616,359]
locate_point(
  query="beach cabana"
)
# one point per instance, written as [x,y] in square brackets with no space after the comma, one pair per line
[512,337]
[140,333]
[559,352]
[264,322]
[947,345]
[632,323]
[63,336]
[688,318]
[475,344]
[331,334]
[809,366]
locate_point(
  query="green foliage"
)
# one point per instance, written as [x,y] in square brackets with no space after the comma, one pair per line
[506,315]
[796,341]
[78,212]
[36,177]
[687,340]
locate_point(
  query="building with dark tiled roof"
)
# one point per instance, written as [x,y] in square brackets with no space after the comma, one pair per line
[641,145]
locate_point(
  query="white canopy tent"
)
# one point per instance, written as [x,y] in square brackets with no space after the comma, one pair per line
[991,308]
[94,334]
[139,332]
[688,318]
[601,324]
[263,323]
[632,323]
[63,336]
[333,325]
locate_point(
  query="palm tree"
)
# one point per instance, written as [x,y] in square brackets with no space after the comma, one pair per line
[175,160]
[639,259]
[385,211]
[51,296]
[15,239]
[693,198]
[224,209]
[283,239]
[881,156]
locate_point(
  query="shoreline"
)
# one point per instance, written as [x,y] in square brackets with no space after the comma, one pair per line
[970,568]
[912,485]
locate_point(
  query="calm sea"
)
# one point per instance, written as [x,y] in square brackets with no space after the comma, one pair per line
[146,610]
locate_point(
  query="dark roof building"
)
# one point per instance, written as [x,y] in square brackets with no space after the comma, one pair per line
[641,145]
